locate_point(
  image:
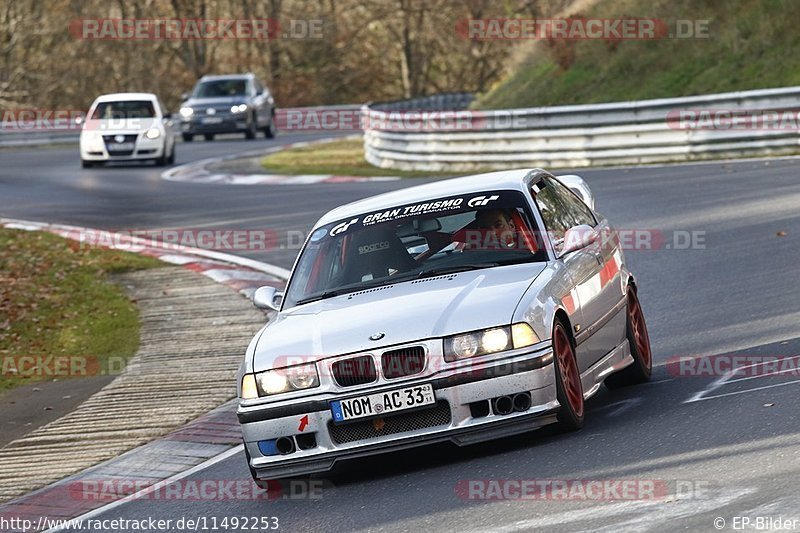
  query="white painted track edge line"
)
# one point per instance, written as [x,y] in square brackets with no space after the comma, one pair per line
[211,461]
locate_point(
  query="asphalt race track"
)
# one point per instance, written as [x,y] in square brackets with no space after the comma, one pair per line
[729,450]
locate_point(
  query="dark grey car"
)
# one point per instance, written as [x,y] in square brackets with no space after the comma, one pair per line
[232,103]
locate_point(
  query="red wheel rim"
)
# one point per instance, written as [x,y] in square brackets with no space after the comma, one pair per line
[639,328]
[568,368]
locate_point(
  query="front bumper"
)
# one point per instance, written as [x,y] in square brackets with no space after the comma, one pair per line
[452,418]
[143,149]
[224,124]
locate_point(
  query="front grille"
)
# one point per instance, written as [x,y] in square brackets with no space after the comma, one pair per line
[403,362]
[439,415]
[354,371]
[109,139]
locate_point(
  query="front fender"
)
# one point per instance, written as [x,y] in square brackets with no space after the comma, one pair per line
[549,293]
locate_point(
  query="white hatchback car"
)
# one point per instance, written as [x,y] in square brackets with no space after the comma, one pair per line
[127,127]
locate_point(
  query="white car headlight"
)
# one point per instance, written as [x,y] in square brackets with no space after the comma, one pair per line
[186,112]
[287,379]
[241,108]
[153,133]
[491,340]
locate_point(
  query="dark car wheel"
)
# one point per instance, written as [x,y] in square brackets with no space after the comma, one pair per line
[86,164]
[187,137]
[209,136]
[569,390]
[251,129]
[271,130]
[639,341]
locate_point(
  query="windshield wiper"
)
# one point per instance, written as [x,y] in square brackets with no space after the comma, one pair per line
[322,296]
[441,271]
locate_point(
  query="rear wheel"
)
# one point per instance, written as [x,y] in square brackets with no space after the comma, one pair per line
[639,341]
[209,136]
[569,390]
[187,137]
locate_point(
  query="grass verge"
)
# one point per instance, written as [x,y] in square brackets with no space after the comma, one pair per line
[338,158]
[750,44]
[57,302]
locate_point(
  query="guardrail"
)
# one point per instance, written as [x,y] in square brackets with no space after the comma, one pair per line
[647,131]
[314,119]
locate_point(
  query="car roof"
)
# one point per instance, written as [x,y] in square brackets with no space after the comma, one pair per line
[114,97]
[503,179]
[226,76]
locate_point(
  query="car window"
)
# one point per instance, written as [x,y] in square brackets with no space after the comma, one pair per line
[560,208]
[221,88]
[402,243]
[124,109]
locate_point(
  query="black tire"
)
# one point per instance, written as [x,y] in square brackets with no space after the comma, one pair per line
[171,158]
[209,136]
[187,137]
[86,164]
[250,133]
[271,130]
[636,331]
[570,396]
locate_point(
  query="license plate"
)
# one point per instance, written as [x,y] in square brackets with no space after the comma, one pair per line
[382,403]
[120,147]
[211,120]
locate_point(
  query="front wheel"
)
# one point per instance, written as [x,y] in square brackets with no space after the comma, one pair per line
[86,164]
[188,137]
[209,136]
[639,341]
[569,389]
[250,133]
[271,130]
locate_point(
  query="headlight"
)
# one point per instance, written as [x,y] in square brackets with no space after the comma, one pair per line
[153,133]
[186,112]
[241,108]
[488,341]
[286,380]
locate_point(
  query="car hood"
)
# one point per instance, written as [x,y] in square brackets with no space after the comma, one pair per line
[403,312]
[221,100]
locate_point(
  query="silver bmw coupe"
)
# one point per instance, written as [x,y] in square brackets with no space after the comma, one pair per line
[460,310]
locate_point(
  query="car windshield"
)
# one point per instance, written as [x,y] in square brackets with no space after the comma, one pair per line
[221,88]
[428,238]
[124,109]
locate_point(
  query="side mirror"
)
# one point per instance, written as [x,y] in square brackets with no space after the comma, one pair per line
[577,185]
[577,238]
[267,297]
[79,120]
[167,116]
[184,97]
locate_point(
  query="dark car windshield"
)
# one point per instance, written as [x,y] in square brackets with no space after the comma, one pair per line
[428,238]
[221,88]
[124,109]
